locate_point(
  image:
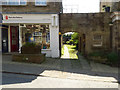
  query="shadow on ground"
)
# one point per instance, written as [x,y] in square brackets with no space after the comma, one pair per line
[33,71]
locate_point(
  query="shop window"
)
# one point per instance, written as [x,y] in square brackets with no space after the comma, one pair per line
[40,2]
[39,34]
[13,2]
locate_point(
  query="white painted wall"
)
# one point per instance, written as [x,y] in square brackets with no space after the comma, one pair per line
[51,19]
[27,18]
[20,39]
[54,38]
[54,42]
[9,43]
[47,52]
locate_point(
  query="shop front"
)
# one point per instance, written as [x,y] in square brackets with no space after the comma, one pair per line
[41,29]
[0,33]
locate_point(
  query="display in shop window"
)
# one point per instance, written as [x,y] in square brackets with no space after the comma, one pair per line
[38,34]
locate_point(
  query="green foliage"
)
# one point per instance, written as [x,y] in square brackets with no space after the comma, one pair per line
[27,44]
[31,44]
[74,39]
[62,51]
[75,36]
[68,42]
[101,54]
[113,57]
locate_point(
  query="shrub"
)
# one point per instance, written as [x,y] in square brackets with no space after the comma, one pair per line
[113,57]
[68,42]
[28,44]
[31,48]
[101,54]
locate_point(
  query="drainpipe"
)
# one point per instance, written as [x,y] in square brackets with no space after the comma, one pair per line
[59,35]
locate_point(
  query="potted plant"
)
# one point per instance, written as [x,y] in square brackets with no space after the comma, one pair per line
[106,8]
[30,53]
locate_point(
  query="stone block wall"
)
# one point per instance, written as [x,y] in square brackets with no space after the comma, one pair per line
[116,6]
[116,36]
[89,24]
[107,4]
[52,7]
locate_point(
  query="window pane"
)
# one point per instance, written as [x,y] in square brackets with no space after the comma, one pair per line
[23,2]
[40,2]
[4,2]
[39,34]
[13,2]
[97,37]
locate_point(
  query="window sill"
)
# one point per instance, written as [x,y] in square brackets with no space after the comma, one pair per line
[46,49]
[97,45]
[13,5]
[40,5]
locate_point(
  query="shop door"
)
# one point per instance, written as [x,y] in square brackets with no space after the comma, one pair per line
[14,35]
[4,40]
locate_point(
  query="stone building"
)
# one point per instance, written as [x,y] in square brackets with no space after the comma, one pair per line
[116,31]
[115,23]
[97,31]
[43,22]
[104,4]
[36,21]
[93,29]
[113,4]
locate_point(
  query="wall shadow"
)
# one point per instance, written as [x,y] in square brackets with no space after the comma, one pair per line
[65,65]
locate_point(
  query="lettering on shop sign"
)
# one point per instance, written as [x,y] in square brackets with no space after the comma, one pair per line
[7,17]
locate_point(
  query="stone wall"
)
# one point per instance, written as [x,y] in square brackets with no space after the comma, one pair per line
[116,6]
[52,7]
[107,4]
[116,36]
[90,24]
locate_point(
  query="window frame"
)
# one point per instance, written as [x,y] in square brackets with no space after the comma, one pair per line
[98,45]
[7,4]
[97,42]
[97,39]
[40,4]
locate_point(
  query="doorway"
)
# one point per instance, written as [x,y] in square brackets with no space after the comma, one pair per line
[4,39]
[14,38]
[69,45]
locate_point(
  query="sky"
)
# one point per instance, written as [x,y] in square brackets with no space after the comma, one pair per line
[81,6]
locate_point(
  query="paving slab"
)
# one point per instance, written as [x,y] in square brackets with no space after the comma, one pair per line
[97,67]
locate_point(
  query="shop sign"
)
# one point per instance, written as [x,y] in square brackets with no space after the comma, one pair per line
[12,17]
[26,18]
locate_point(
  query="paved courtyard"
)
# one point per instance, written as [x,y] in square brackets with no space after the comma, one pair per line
[58,73]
